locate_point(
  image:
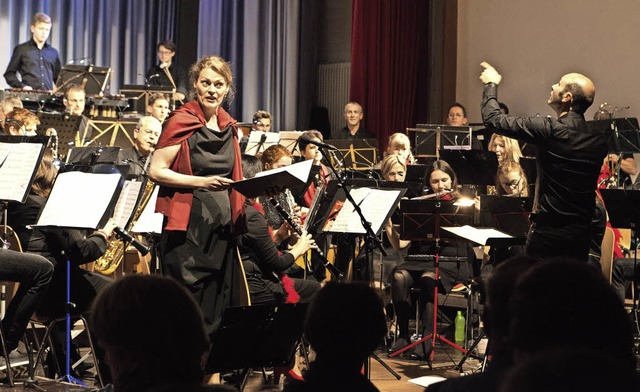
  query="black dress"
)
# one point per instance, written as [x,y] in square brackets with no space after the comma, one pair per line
[202,257]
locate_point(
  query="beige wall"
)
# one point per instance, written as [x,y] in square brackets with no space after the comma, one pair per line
[534,42]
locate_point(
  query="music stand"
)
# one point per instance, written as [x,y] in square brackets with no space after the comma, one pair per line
[93,79]
[289,139]
[423,219]
[625,134]
[256,336]
[623,208]
[472,166]
[260,141]
[358,154]
[19,159]
[92,155]
[138,95]
[429,139]
[82,201]
[67,128]
[506,213]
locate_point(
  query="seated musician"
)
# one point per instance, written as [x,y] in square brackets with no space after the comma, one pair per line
[145,137]
[454,266]
[393,168]
[75,100]
[263,263]
[511,180]
[56,245]
[21,122]
[399,144]
[507,150]
[158,106]
[7,104]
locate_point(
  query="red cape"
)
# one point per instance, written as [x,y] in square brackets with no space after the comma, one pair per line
[175,203]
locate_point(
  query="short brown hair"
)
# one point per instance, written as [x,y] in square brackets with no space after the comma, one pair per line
[73,87]
[312,134]
[168,44]
[40,17]
[22,117]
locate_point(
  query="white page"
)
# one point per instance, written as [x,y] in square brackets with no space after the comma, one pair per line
[375,205]
[126,202]
[425,381]
[79,199]
[299,170]
[17,164]
[149,221]
[479,236]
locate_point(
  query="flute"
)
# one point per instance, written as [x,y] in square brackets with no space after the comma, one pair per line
[335,272]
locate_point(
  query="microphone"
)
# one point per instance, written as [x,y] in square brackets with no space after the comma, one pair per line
[308,140]
[142,248]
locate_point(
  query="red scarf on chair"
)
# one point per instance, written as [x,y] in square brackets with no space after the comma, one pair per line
[175,203]
[287,283]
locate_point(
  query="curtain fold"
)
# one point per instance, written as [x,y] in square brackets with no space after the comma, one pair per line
[388,69]
[261,41]
[121,34]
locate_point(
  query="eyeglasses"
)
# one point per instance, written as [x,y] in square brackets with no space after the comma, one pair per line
[164,52]
[513,183]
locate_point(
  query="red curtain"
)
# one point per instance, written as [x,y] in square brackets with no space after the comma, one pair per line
[389,64]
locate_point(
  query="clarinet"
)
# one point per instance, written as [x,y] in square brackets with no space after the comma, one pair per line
[335,272]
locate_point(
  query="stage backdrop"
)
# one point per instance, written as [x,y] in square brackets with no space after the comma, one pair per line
[533,43]
[121,34]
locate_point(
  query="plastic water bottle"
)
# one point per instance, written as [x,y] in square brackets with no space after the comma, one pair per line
[459,323]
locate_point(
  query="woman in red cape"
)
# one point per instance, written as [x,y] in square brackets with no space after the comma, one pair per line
[196,159]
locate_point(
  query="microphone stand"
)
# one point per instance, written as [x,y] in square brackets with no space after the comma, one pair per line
[371,241]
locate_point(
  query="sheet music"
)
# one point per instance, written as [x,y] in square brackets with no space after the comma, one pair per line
[284,177]
[79,200]
[289,139]
[479,236]
[17,163]
[126,202]
[149,221]
[375,205]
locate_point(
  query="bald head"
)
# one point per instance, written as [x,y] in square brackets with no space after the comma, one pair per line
[574,92]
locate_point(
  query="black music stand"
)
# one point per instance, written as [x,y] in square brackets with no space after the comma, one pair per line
[66,126]
[472,166]
[358,154]
[256,336]
[370,241]
[506,213]
[429,139]
[65,208]
[260,141]
[423,219]
[623,208]
[93,79]
[138,96]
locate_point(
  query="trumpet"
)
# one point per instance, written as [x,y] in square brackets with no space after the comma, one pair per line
[335,272]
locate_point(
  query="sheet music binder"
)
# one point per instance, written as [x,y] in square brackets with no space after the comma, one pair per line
[19,159]
[81,200]
[285,177]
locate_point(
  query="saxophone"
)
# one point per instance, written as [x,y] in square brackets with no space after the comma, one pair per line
[111,259]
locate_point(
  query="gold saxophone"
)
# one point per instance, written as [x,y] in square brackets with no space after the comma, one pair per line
[109,262]
[111,259]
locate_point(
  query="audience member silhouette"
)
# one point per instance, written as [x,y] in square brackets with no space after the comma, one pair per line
[153,334]
[345,323]
[499,288]
[567,369]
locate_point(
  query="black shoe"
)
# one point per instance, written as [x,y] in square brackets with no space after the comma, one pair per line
[399,344]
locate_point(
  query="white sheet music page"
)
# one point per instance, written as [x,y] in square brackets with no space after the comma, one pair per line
[126,202]
[79,199]
[261,139]
[375,205]
[149,221]
[299,170]
[479,236]
[17,164]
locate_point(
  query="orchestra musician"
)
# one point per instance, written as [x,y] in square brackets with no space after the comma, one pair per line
[56,245]
[145,137]
[568,165]
[419,273]
[507,150]
[21,122]
[262,121]
[399,144]
[167,73]
[37,62]
[196,159]
[75,100]
[158,106]
[263,264]
[353,115]
[511,180]
[7,104]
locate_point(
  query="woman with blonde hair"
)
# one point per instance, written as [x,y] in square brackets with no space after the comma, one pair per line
[506,149]
[399,144]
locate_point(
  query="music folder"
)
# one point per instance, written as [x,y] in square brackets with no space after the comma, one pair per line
[480,236]
[281,178]
[19,158]
[81,200]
